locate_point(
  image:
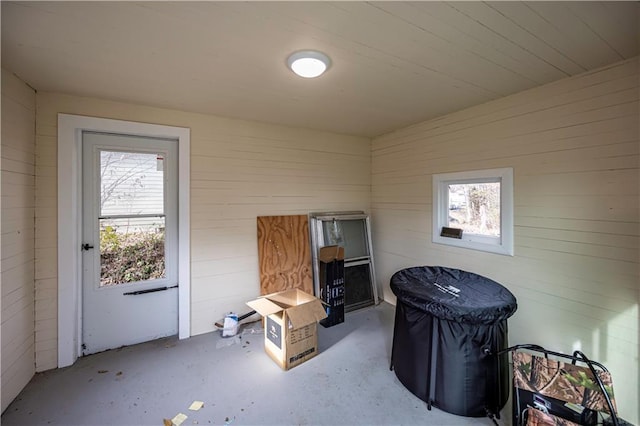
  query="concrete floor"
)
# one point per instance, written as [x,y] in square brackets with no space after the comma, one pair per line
[348,383]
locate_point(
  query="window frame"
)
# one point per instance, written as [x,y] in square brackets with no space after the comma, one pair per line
[500,245]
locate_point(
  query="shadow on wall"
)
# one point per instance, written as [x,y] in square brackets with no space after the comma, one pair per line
[614,342]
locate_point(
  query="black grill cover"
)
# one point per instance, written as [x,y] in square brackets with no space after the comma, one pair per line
[448,325]
[453,294]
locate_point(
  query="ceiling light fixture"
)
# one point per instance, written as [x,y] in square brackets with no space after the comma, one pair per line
[308,63]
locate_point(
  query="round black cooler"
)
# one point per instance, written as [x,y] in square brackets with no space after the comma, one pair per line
[449,325]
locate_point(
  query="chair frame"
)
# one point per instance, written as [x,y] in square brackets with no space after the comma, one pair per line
[577,356]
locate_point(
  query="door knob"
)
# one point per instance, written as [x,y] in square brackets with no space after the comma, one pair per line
[86,246]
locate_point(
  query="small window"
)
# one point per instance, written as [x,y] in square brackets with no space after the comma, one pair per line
[474,210]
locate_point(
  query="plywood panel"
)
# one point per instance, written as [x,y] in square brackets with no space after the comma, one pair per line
[284,253]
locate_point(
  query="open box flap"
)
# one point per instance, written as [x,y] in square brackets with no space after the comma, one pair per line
[264,306]
[289,298]
[328,254]
[306,313]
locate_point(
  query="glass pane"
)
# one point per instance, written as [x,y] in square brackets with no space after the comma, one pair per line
[475,208]
[131,249]
[358,289]
[131,183]
[350,234]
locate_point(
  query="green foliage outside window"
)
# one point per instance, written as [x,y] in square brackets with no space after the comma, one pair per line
[130,257]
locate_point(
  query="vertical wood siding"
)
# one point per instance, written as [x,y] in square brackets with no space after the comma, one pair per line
[17,253]
[239,170]
[574,147]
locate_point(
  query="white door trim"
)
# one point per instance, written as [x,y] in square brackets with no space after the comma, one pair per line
[70,129]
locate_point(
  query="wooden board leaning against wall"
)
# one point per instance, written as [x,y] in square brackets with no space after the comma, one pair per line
[284,253]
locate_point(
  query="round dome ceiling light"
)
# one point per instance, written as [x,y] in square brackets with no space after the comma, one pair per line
[308,63]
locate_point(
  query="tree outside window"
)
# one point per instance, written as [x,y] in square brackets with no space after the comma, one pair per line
[480,203]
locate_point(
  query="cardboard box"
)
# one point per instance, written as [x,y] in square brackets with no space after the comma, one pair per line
[331,280]
[290,326]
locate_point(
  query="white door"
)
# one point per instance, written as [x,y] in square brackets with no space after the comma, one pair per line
[130,228]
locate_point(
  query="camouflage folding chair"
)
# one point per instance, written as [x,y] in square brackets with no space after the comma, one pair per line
[551,392]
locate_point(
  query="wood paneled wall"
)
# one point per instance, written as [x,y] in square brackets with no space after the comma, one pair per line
[573,145]
[239,170]
[574,148]
[17,247]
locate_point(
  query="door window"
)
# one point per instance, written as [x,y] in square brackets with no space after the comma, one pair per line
[132,217]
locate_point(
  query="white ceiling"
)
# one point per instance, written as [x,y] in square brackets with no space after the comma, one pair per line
[394,63]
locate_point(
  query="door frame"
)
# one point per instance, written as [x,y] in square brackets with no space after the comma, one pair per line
[70,128]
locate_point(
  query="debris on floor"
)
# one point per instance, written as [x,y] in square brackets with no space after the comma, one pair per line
[178,419]
[255,328]
[248,329]
[223,343]
[196,405]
